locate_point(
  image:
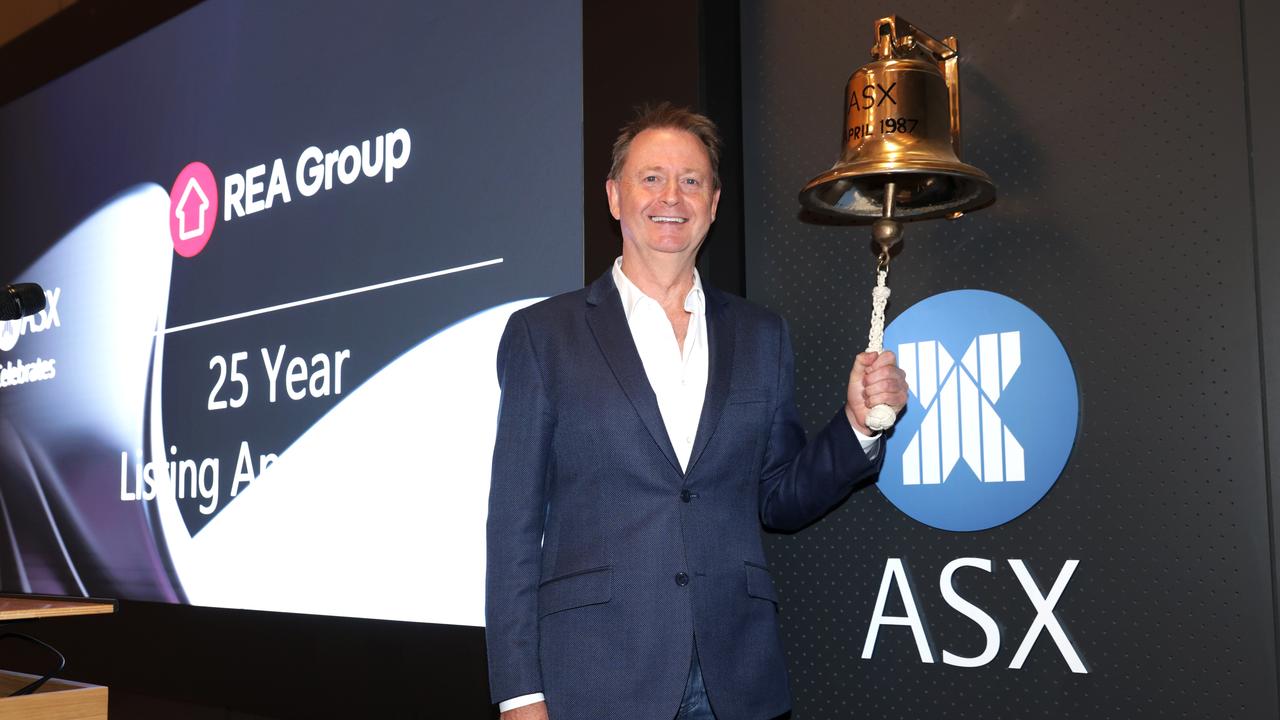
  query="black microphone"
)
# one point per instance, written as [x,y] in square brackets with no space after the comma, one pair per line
[21,299]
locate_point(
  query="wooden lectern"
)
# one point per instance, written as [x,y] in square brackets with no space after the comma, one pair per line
[56,699]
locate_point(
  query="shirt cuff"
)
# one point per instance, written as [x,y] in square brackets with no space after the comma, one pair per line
[870,443]
[521,701]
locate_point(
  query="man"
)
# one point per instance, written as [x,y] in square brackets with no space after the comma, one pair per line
[647,428]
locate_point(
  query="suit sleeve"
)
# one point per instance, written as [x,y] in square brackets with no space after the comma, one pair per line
[802,481]
[517,512]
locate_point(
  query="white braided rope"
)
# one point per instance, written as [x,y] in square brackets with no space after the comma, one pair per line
[879,299]
[880,417]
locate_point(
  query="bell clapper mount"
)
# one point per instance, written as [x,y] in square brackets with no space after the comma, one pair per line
[887,232]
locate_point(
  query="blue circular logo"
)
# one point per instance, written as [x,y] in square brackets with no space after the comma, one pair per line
[991,415]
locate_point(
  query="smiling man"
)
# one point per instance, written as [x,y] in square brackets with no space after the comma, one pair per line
[647,430]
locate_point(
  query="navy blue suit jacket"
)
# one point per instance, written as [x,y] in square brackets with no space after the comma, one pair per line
[605,560]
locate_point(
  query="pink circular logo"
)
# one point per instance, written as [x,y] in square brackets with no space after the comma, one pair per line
[193,209]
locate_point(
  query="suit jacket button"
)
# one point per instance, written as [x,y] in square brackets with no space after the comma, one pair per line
[685,495]
[682,579]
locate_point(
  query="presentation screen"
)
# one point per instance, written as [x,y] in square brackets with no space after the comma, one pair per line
[278,244]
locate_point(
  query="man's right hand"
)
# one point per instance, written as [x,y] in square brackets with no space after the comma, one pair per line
[536,711]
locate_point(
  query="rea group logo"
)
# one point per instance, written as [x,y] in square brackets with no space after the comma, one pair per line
[194,199]
[992,412]
[193,209]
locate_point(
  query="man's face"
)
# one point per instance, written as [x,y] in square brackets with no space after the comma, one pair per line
[664,197]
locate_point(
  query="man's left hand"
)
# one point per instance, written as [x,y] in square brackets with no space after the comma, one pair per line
[875,379]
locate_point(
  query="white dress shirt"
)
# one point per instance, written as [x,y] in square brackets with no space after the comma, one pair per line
[678,376]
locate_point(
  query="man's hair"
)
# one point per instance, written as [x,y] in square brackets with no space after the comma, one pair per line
[668,116]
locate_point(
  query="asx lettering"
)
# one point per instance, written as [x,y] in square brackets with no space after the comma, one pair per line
[867,99]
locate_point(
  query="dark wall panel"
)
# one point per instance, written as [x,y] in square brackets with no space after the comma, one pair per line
[1116,134]
[1261,22]
[697,66]
[622,70]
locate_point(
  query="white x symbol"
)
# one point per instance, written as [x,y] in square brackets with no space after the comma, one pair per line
[960,418]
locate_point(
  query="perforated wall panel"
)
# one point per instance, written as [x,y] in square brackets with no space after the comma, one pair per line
[1116,135]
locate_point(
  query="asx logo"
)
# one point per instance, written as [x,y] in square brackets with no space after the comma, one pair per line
[962,410]
[989,433]
[46,319]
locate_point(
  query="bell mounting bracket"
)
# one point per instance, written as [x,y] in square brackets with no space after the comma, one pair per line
[897,37]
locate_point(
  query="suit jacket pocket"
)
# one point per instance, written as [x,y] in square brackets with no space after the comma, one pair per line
[760,582]
[575,589]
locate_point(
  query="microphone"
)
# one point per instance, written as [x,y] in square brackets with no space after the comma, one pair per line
[21,299]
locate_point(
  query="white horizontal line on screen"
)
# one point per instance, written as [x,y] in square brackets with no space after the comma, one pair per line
[330,296]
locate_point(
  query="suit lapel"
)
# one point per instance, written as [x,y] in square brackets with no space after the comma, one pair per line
[608,325]
[721,332]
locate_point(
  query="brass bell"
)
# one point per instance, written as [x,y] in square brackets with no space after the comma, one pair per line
[902,137]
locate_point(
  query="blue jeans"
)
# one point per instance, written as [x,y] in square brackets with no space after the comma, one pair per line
[695,705]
